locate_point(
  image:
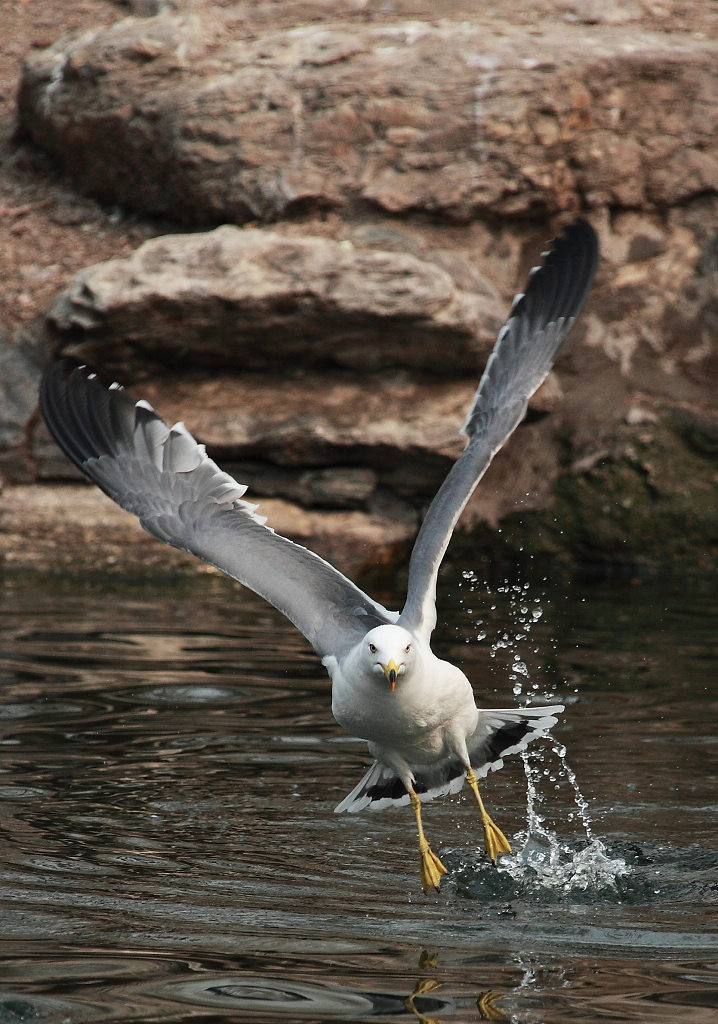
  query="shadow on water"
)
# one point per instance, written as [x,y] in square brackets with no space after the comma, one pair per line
[169,768]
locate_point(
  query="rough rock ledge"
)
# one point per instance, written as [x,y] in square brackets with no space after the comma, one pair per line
[383,182]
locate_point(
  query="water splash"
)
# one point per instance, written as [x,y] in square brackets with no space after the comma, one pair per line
[542,859]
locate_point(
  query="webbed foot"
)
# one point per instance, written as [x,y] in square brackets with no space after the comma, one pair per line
[431,867]
[495,842]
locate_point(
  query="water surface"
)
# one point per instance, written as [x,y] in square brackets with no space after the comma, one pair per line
[169,768]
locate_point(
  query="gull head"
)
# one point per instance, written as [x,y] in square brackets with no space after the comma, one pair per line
[389,651]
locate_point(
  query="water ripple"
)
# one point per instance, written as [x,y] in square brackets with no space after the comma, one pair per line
[170,849]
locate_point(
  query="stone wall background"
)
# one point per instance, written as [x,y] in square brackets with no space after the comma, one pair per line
[298,227]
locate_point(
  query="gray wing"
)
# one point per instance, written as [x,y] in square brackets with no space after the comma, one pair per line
[524,352]
[165,478]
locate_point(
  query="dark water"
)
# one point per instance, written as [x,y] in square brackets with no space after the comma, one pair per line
[169,768]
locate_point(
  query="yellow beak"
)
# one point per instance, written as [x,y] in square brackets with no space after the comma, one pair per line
[391,671]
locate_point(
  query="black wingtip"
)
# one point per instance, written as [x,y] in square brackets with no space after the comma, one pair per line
[580,242]
[573,259]
[86,419]
[559,286]
[53,397]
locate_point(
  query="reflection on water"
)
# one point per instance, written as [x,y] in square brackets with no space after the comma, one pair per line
[169,768]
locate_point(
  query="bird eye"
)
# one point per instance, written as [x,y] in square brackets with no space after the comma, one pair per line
[407,648]
[372,648]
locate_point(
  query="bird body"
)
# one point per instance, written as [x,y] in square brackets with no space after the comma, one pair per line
[416,711]
[426,717]
[426,729]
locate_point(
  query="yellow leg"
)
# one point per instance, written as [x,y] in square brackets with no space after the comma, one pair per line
[431,867]
[494,839]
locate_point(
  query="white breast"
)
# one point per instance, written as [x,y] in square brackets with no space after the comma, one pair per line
[421,718]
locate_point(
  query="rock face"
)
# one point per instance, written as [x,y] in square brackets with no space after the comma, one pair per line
[384,181]
[332,377]
[207,123]
[255,299]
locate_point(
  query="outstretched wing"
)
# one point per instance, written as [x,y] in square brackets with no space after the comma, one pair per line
[525,350]
[165,478]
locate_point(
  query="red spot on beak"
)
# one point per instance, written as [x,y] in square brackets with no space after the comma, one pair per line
[391,671]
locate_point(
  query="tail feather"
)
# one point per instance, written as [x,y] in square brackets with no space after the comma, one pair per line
[381,787]
[498,734]
[507,731]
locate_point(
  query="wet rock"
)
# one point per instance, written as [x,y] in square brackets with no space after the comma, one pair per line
[653,494]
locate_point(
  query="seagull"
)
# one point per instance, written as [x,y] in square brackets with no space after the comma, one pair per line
[416,712]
